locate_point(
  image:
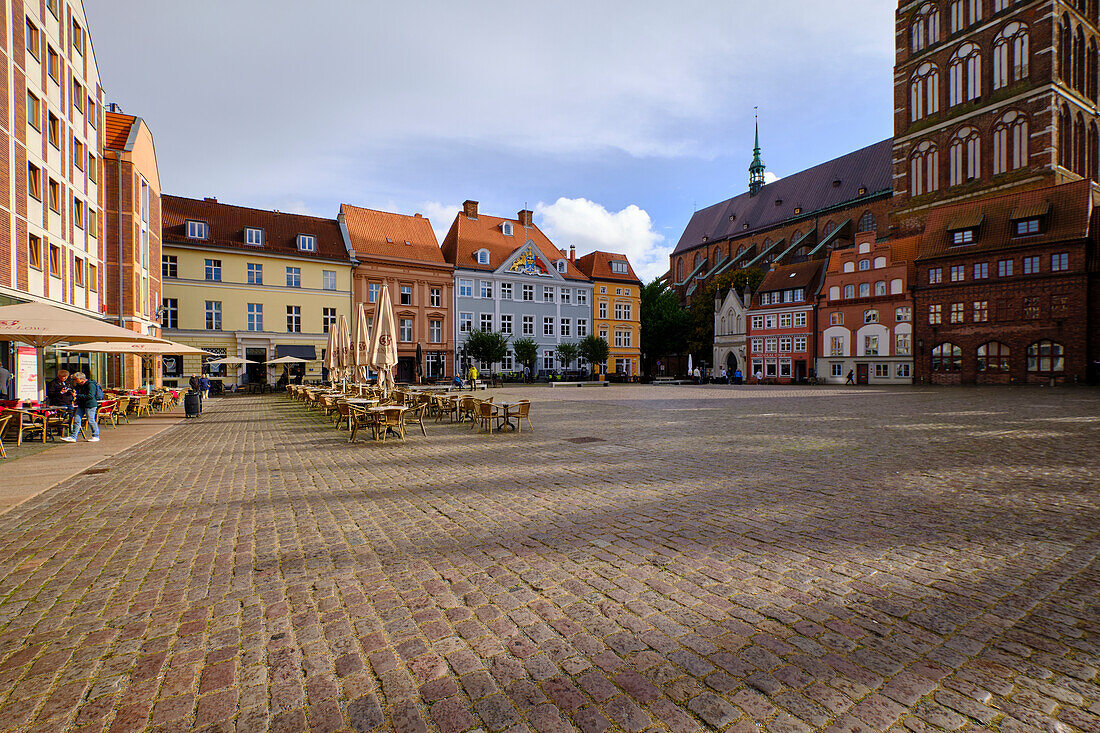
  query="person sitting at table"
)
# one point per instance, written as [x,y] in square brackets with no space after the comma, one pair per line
[58,391]
[88,395]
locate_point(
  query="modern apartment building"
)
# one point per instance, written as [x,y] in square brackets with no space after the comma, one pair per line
[510,277]
[616,308]
[251,283]
[131,239]
[401,253]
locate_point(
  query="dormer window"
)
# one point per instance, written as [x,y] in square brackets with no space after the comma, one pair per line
[197,229]
[506,229]
[254,236]
[561,266]
[964,229]
[618,267]
[798,209]
[307,243]
[963,236]
[1025,227]
[483,257]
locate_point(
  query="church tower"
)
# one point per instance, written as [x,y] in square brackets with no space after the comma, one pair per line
[756,168]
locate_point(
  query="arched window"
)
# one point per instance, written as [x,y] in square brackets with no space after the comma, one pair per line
[698,259]
[1010,142]
[965,156]
[924,92]
[829,227]
[975,11]
[1079,51]
[1080,164]
[1045,356]
[1065,138]
[867,223]
[924,173]
[1065,49]
[926,27]
[965,75]
[946,358]
[1094,152]
[993,357]
[680,270]
[1010,55]
[849,291]
[1091,70]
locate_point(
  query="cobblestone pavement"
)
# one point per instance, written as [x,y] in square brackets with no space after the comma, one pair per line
[719,559]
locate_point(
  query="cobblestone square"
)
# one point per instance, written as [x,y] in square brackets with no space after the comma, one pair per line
[709,558]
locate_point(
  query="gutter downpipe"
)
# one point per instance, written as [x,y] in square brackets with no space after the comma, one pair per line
[121,358]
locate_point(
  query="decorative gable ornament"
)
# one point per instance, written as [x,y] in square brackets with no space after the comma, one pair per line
[528,263]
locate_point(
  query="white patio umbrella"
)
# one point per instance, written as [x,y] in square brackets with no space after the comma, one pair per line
[383,342]
[287,360]
[41,325]
[360,345]
[228,361]
[146,350]
[689,365]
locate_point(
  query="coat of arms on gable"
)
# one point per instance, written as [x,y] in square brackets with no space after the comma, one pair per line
[528,263]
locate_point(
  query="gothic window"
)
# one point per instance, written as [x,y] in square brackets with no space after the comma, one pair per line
[1091,70]
[924,169]
[1010,55]
[679,271]
[1065,138]
[1094,152]
[956,10]
[1010,143]
[975,11]
[1079,61]
[866,222]
[965,75]
[965,156]
[829,227]
[926,28]
[1080,163]
[924,92]
[1065,49]
[698,259]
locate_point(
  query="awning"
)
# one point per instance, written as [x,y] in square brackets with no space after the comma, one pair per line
[302,351]
[1033,211]
[970,220]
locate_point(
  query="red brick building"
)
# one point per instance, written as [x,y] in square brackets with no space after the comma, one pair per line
[1003,287]
[783,323]
[865,313]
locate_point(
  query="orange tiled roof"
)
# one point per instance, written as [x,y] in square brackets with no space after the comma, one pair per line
[597,265]
[1068,219]
[227,224]
[117,130]
[394,236]
[467,236]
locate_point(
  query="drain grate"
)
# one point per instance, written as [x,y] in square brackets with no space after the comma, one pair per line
[94,471]
[585,439]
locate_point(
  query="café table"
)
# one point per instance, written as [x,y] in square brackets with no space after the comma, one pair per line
[504,415]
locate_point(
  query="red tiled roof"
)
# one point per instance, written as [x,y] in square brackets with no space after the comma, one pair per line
[394,236]
[804,275]
[467,236]
[597,265]
[1068,219]
[227,224]
[117,130]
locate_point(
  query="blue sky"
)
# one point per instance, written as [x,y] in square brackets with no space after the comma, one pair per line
[613,121]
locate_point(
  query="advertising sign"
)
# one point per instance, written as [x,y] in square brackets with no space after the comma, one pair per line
[26,371]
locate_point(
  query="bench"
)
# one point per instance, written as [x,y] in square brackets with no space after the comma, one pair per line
[670,380]
[580,384]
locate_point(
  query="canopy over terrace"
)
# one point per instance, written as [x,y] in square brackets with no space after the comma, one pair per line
[41,325]
[144,349]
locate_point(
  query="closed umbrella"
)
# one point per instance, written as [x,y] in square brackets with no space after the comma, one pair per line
[331,356]
[689,365]
[360,345]
[383,342]
[419,360]
[41,325]
[343,348]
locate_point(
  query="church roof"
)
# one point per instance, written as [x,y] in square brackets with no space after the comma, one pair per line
[810,190]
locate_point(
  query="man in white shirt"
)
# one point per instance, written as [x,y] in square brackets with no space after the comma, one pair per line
[5,381]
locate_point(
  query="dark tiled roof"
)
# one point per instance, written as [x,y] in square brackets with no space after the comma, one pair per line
[597,265]
[810,190]
[1068,219]
[806,275]
[227,223]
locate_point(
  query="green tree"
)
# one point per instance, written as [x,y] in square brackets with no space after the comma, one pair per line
[487,347]
[664,324]
[595,350]
[526,351]
[567,353]
[700,327]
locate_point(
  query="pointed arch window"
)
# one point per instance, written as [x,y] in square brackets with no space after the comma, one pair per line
[1010,55]
[867,222]
[1080,152]
[1079,51]
[965,156]
[965,75]
[1010,142]
[926,28]
[1094,152]
[924,92]
[1065,138]
[1091,71]
[1065,49]
[924,169]
[680,271]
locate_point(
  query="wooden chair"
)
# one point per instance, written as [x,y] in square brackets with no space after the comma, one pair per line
[343,414]
[29,424]
[415,416]
[360,418]
[520,411]
[60,422]
[485,413]
[392,418]
[464,408]
[122,410]
[5,420]
[105,413]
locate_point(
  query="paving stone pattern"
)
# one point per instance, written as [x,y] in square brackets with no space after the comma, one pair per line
[722,559]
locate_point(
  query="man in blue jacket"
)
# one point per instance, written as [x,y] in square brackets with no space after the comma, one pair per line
[88,395]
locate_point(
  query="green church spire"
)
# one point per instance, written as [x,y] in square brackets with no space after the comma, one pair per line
[756,168]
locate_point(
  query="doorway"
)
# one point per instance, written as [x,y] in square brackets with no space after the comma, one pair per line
[256,369]
[862,371]
[799,371]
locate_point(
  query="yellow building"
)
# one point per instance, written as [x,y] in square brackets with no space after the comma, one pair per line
[252,284]
[616,309]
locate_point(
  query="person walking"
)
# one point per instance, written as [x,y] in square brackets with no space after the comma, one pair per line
[205,383]
[851,375]
[88,395]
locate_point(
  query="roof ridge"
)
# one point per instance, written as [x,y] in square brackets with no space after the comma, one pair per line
[271,212]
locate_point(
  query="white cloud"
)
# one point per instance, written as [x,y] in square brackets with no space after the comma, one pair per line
[770,177]
[293,206]
[589,226]
[440,215]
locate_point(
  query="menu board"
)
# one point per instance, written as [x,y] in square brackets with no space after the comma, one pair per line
[26,373]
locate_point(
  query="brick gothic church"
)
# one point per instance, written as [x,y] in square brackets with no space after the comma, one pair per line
[993,166]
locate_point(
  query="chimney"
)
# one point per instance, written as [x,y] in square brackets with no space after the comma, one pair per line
[524,217]
[469,208]
[211,199]
[417,215]
[572,253]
